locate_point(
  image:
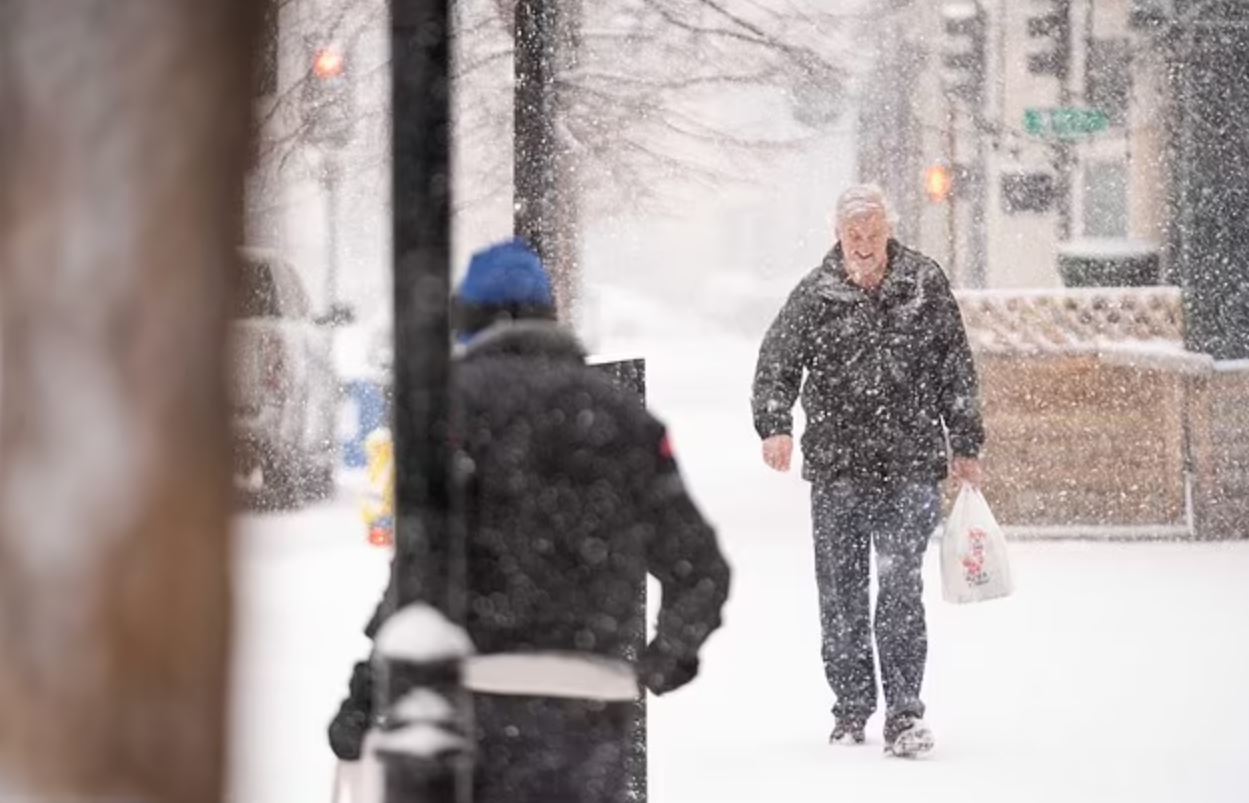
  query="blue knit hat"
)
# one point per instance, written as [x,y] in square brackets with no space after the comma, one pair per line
[506,280]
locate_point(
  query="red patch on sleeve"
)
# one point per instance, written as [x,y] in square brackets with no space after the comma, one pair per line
[665,448]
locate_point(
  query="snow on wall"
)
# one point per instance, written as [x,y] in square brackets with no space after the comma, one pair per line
[419,633]
[1102,247]
[424,705]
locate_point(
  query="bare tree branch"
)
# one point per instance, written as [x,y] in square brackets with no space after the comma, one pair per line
[680,54]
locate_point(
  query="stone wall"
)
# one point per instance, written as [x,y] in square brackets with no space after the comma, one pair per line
[1220,450]
[1076,442]
[1100,424]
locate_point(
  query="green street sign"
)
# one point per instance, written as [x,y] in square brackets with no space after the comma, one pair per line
[1064,123]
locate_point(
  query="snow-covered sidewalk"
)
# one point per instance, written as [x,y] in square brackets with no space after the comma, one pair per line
[1116,672]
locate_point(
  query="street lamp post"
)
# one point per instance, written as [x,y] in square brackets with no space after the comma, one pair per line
[330,176]
[423,740]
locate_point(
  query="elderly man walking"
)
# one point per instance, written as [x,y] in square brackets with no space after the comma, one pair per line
[888,373]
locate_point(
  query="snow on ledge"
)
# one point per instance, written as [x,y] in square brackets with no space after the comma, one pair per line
[1149,355]
[1159,355]
[1098,532]
[1231,366]
[423,740]
[423,705]
[421,634]
[1097,247]
[1166,291]
[608,358]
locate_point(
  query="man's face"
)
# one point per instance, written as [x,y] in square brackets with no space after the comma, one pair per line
[864,243]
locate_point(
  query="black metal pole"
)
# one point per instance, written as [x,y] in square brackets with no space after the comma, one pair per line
[951,209]
[422,258]
[330,181]
[545,194]
[427,566]
[631,375]
[1064,156]
[1213,226]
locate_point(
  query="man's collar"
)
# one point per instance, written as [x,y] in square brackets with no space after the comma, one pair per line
[523,338]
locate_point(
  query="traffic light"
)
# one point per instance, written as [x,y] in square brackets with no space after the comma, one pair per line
[946,181]
[965,54]
[1051,21]
[328,64]
[327,98]
[939,183]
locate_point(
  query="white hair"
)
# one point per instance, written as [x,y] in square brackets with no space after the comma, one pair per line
[860,200]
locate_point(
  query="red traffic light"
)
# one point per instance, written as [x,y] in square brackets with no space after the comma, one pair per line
[329,63]
[938,183]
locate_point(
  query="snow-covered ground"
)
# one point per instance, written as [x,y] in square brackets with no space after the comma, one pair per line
[306,583]
[1116,672]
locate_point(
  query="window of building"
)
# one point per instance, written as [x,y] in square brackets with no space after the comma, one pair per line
[1108,78]
[1106,199]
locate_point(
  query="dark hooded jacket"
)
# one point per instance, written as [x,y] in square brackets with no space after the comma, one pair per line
[887,373]
[575,496]
[572,498]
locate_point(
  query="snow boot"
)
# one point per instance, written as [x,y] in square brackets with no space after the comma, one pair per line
[906,736]
[848,731]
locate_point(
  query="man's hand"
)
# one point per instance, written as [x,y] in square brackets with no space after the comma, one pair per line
[777,451]
[966,470]
[663,673]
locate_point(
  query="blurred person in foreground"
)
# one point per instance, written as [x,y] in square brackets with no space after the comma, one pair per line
[873,339]
[574,497]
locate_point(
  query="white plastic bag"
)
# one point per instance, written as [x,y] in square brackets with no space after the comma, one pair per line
[974,565]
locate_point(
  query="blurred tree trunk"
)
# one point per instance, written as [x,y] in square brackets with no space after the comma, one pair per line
[890,146]
[124,143]
[545,195]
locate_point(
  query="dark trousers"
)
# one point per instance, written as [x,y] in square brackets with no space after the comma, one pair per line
[848,518]
[549,750]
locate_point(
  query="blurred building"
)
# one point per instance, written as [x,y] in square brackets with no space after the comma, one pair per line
[1009,128]
[1014,132]
[1062,159]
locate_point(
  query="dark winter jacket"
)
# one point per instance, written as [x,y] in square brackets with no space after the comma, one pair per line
[883,371]
[574,497]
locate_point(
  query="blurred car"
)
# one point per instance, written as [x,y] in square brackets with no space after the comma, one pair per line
[284,392]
